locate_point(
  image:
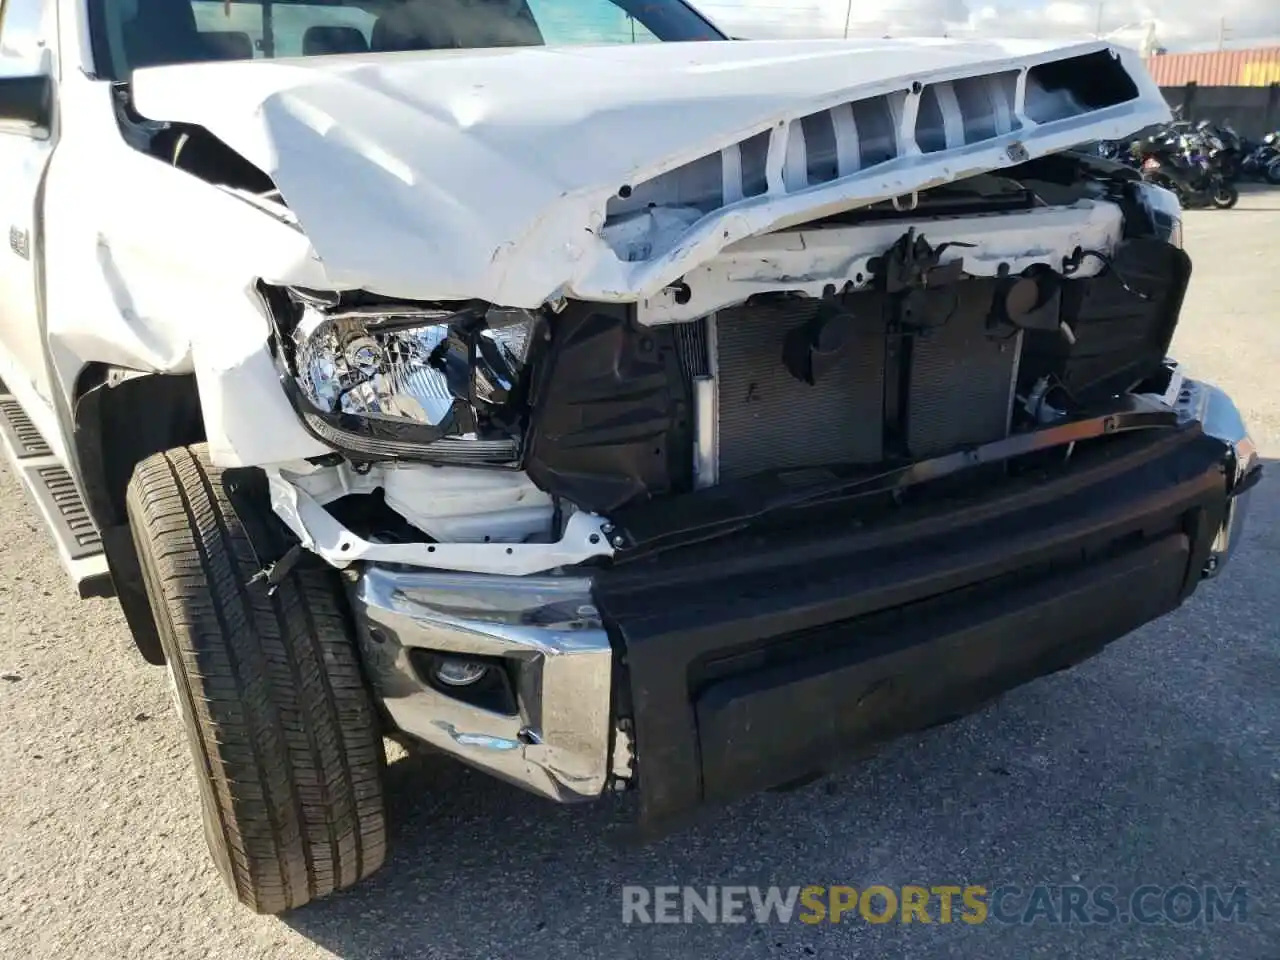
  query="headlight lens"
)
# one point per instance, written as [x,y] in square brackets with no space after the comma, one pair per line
[414,383]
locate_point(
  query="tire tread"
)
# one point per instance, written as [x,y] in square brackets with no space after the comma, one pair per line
[281,725]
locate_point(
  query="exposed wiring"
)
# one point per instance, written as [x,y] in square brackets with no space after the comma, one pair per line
[1109,264]
[924,328]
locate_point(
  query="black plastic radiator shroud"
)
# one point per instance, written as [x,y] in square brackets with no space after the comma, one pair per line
[611,419]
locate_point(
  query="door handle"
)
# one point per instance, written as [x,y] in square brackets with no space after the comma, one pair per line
[20,242]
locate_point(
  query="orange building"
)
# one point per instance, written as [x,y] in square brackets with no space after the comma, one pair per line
[1259,67]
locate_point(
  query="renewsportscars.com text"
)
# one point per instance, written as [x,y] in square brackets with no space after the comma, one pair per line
[1181,904]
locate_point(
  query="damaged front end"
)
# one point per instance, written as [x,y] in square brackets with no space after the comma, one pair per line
[428,410]
[815,487]
[690,470]
[811,356]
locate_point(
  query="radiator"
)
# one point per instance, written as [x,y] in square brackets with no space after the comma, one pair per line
[958,387]
[962,378]
[769,420]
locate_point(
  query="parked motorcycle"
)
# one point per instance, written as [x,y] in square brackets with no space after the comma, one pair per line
[1191,168]
[1224,145]
[1262,161]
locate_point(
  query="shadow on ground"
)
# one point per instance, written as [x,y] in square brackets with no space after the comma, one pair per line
[1138,767]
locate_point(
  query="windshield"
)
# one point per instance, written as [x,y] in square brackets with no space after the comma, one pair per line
[129,34]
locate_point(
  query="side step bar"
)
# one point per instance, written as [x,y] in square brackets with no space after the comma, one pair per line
[54,491]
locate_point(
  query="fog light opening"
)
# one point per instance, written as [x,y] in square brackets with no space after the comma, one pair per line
[453,672]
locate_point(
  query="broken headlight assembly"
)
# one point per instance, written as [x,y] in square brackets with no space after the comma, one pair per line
[410,382]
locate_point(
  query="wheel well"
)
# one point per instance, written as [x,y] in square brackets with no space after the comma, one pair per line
[122,417]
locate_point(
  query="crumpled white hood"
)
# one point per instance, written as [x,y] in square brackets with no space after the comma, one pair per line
[486,173]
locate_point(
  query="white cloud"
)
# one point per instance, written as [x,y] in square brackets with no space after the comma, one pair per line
[1179,24]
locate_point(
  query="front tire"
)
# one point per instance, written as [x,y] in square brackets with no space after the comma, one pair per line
[1225,196]
[281,727]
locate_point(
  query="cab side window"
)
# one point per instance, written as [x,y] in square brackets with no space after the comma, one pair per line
[22,39]
[587,21]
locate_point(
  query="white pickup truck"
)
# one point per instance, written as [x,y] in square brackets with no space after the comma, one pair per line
[599,401]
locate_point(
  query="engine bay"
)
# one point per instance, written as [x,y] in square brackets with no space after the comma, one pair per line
[596,416]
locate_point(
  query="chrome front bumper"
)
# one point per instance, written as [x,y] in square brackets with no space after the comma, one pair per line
[1220,418]
[561,736]
[544,636]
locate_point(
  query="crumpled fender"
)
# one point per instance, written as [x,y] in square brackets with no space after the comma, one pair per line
[152,269]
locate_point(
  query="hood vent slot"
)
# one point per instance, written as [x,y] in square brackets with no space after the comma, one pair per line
[857,136]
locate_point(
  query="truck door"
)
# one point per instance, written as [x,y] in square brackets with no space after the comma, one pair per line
[26,55]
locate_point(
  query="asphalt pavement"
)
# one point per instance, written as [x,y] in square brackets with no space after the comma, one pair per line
[1153,767]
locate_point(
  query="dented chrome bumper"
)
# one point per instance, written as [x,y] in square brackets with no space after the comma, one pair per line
[540,715]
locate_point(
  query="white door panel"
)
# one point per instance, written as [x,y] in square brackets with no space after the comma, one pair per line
[22,163]
[24,155]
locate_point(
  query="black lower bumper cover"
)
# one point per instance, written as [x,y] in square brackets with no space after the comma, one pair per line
[762,668]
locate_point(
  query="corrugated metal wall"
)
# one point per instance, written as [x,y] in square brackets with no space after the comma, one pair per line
[1253,111]
[1221,68]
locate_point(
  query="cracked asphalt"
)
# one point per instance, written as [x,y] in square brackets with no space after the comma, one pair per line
[1157,763]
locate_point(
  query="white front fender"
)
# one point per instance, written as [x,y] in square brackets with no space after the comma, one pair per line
[152,269]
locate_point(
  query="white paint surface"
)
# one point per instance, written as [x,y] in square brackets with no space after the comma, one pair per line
[807,260]
[585,536]
[461,174]
[486,173]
